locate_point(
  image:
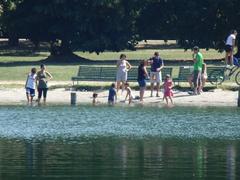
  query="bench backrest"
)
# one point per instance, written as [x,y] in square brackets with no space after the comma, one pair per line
[109,73]
[184,73]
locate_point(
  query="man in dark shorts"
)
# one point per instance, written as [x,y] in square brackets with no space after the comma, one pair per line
[229,47]
[155,73]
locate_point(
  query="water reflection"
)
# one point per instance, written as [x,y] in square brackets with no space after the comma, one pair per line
[115,158]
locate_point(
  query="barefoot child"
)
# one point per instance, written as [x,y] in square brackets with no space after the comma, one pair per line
[112,96]
[129,93]
[168,85]
[31,85]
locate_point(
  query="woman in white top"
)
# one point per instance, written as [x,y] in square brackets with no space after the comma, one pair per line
[31,85]
[230,43]
[123,66]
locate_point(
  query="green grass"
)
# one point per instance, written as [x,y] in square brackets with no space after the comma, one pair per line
[64,72]
[8,57]
[19,73]
[174,54]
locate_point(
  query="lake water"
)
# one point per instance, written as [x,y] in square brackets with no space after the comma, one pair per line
[84,142]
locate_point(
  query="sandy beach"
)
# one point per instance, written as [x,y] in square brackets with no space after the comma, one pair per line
[217,97]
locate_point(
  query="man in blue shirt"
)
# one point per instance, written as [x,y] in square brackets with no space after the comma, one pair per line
[155,74]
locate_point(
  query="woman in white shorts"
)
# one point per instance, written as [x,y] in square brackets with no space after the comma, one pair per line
[123,66]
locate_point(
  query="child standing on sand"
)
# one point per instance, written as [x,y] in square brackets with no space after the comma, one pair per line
[112,96]
[31,85]
[168,85]
[129,93]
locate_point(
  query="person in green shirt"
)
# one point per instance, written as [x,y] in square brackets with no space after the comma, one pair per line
[197,70]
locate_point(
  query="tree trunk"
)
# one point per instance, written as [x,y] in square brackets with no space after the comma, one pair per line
[65,48]
[13,41]
[62,49]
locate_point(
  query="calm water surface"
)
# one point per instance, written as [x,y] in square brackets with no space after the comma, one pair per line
[61,142]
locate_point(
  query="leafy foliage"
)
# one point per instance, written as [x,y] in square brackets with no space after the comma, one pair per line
[99,25]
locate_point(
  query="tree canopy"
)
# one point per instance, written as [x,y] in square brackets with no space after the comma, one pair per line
[98,25]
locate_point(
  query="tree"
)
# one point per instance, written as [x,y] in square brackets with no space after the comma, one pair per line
[6,28]
[205,23]
[89,25]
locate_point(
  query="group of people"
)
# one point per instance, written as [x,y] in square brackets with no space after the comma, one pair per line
[155,76]
[196,80]
[37,79]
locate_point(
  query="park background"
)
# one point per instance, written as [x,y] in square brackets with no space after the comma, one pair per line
[65,34]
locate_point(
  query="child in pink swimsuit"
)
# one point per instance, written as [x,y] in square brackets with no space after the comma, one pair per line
[168,85]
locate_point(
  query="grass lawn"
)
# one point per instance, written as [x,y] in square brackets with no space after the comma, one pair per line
[146,53]
[65,72]
[175,54]
[19,73]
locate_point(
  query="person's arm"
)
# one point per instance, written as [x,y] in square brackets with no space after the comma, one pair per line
[129,65]
[194,57]
[26,82]
[115,96]
[49,75]
[150,61]
[118,63]
[145,72]
[161,67]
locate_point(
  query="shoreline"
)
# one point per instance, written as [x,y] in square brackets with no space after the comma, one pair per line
[215,98]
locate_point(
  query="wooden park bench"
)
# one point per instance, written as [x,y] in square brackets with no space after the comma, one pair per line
[183,75]
[186,71]
[108,73]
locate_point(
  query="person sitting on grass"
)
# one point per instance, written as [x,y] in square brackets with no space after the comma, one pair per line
[112,96]
[31,85]
[167,86]
[129,93]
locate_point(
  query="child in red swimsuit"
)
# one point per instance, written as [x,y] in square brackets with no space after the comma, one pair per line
[167,86]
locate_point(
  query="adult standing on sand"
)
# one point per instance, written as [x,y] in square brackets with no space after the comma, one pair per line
[42,83]
[197,70]
[155,74]
[123,66]
[229,47]
[142,76]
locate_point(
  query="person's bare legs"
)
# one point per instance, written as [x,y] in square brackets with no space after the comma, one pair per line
[123,82]
[31,99]
[226,58]
[28,98]
[171,99]
[142,90]
[118,85]
[152,88]
[166,100]
[190,81]
[158,87]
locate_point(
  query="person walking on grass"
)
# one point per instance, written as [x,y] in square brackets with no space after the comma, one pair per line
[112,95]
[31,85]
[167,87]
[155,73]
[229,47]
[142,76]
[197,70]
[123,66]
[42,78]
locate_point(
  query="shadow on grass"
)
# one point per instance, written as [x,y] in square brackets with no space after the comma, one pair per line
[16,53]
[74,59]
